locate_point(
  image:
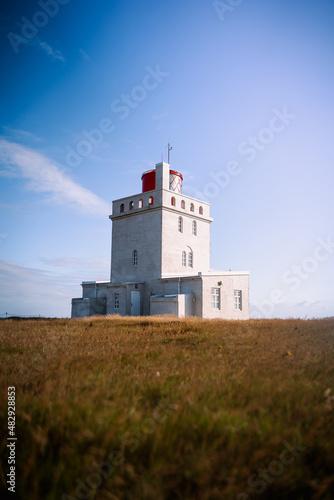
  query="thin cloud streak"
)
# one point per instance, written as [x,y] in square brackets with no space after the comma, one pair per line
[45,177]
[75,265]
[84,54]
[47,294]
[50,293]
[159,116]
[55,54]
[15,133]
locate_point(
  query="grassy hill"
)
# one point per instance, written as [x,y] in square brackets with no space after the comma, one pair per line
[160,408]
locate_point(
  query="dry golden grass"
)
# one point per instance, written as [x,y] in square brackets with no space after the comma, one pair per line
[192,409]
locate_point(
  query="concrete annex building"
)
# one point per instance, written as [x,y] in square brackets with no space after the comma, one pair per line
[160,258]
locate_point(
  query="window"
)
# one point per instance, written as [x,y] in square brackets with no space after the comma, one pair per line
[131,205]
[180,225]
[150,200]
[116,301]
[190,259]
[172,201]
[237,300]
[183,204]
[140,203]
[121,208]
[134,258]
[215,298]
[184,259]
[192,209]
[194,228]
[201,210]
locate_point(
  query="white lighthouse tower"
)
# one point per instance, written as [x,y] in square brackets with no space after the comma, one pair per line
[160,258]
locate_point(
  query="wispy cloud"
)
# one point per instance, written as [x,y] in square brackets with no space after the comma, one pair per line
[16,133]
[55,54]
[50,289]
[100,266]
[148,163]
[308,303]
[310,308]
[84,54]
[48,295]
[44,176]
[158,117]
[188,174]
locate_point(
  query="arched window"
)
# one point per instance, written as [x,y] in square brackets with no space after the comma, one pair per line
[150,200]
[184,259]
[194,228]
[192,209]
[116,301]
[190,259]
[180,225]
[183,205]
[134,258]
[121,208]
[201,210]
[172,201]
[131,205]
[140,203]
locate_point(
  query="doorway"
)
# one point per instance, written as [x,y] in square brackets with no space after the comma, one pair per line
[135,303]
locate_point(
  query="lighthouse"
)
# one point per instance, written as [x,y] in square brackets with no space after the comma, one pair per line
[160,258]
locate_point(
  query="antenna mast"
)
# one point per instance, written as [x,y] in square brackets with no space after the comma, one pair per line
[169,150]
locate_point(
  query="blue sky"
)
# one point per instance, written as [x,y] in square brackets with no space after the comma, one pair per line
[243,90]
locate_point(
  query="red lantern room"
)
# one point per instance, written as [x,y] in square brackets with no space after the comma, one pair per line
[175,181]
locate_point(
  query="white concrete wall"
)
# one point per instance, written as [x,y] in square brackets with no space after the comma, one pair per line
[80,308]
[167,196]
[135,198]
[230,282]
[162,176]
[192,285]
[188,304]
[193,296]
[88,290]
[164,305]
[141,232]
[88,307]
[174,242]
[180,305]
[110,293]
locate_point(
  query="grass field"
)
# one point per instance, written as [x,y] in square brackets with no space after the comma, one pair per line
[159,408]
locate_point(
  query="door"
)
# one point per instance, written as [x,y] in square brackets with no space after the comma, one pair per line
[135,303]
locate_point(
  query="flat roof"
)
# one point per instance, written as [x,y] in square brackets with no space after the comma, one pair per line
[94,282]
[206,275]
